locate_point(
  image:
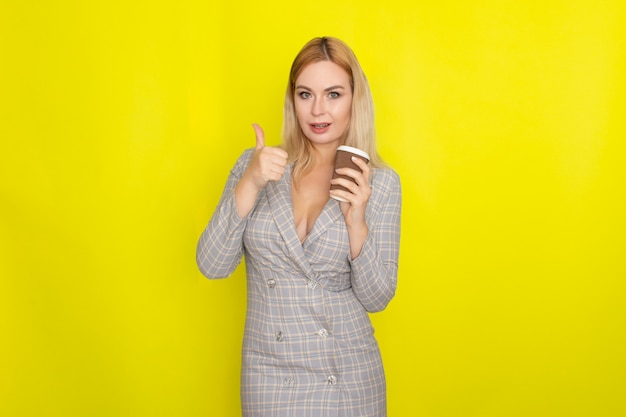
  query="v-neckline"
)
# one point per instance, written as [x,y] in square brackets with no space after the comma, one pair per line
[309,226]
[281,206]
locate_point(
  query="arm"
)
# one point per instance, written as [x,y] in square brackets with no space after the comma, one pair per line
[375,270]
[267,164]
[220,247]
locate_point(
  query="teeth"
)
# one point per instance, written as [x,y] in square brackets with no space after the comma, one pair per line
[321,126]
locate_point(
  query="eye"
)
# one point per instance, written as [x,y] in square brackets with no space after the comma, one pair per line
[304,94]
[334,94]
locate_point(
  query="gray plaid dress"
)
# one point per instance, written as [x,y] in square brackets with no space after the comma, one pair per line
[309,348]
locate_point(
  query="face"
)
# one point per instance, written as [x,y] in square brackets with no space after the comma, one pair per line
[323,102]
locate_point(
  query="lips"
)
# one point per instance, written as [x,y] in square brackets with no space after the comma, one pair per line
[319,127]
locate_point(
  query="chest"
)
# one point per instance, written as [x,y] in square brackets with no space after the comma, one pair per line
[308,200]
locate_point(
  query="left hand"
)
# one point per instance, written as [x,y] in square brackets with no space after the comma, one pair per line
[358,194]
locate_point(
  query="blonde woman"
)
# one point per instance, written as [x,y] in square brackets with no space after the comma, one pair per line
[315,265]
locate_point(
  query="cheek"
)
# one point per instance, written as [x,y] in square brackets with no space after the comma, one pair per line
[300,110]
[346,113]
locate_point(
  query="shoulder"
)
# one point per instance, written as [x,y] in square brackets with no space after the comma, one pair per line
[386,191]
[246,156]
[385,180]
[243,161]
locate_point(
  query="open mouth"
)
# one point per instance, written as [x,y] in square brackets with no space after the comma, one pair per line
[320,125]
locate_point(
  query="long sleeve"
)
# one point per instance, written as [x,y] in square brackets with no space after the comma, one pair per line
[220,246]
[375,270]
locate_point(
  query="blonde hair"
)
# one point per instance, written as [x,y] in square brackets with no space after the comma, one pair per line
[361,131]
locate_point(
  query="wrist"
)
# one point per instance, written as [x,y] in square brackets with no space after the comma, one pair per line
[249,183]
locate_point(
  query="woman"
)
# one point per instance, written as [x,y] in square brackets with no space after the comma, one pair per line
[315,266]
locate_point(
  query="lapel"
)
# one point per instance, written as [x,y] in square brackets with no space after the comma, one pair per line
[329,215]
[279,200]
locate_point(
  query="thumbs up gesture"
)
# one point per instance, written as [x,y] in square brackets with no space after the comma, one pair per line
[268,163]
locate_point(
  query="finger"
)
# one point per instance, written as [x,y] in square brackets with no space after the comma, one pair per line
[365,168]
[346,196]
[275,174]
[260,136]
[278,154]
[349,185]
[351,173]
[271,161]
[360,163]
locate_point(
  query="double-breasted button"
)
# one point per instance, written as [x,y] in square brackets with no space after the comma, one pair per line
[289,382]
[323,332]
[332,380]
[279,336]
[271,283]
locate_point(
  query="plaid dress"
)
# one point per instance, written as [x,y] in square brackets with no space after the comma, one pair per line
[309,347]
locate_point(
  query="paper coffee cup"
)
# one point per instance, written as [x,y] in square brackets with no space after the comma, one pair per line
[343,159]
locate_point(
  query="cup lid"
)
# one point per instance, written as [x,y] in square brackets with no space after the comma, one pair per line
[355,151]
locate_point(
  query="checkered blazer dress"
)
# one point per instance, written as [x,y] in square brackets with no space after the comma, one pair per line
[309,348]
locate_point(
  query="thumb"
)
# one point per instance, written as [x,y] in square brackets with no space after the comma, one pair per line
[260,136]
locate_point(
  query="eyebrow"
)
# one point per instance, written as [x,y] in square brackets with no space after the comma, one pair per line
[334,87]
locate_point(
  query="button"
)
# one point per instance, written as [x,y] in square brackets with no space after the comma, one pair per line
[311,284]
[271,283]
[289,382]
[323,332]
[332,380]
[279,336]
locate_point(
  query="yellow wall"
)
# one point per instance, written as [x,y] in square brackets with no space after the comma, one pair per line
[119,121]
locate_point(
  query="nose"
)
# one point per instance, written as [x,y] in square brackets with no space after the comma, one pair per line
[318,107]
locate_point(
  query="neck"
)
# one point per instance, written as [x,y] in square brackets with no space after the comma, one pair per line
[324,155]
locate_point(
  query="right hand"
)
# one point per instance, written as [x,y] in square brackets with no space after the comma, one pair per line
[268,163]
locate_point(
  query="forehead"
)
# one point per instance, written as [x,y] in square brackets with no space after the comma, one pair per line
[322,74]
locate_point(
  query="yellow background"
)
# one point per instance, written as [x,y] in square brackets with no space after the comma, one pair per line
[119,121]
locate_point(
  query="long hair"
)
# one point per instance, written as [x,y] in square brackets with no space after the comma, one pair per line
[361,131]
